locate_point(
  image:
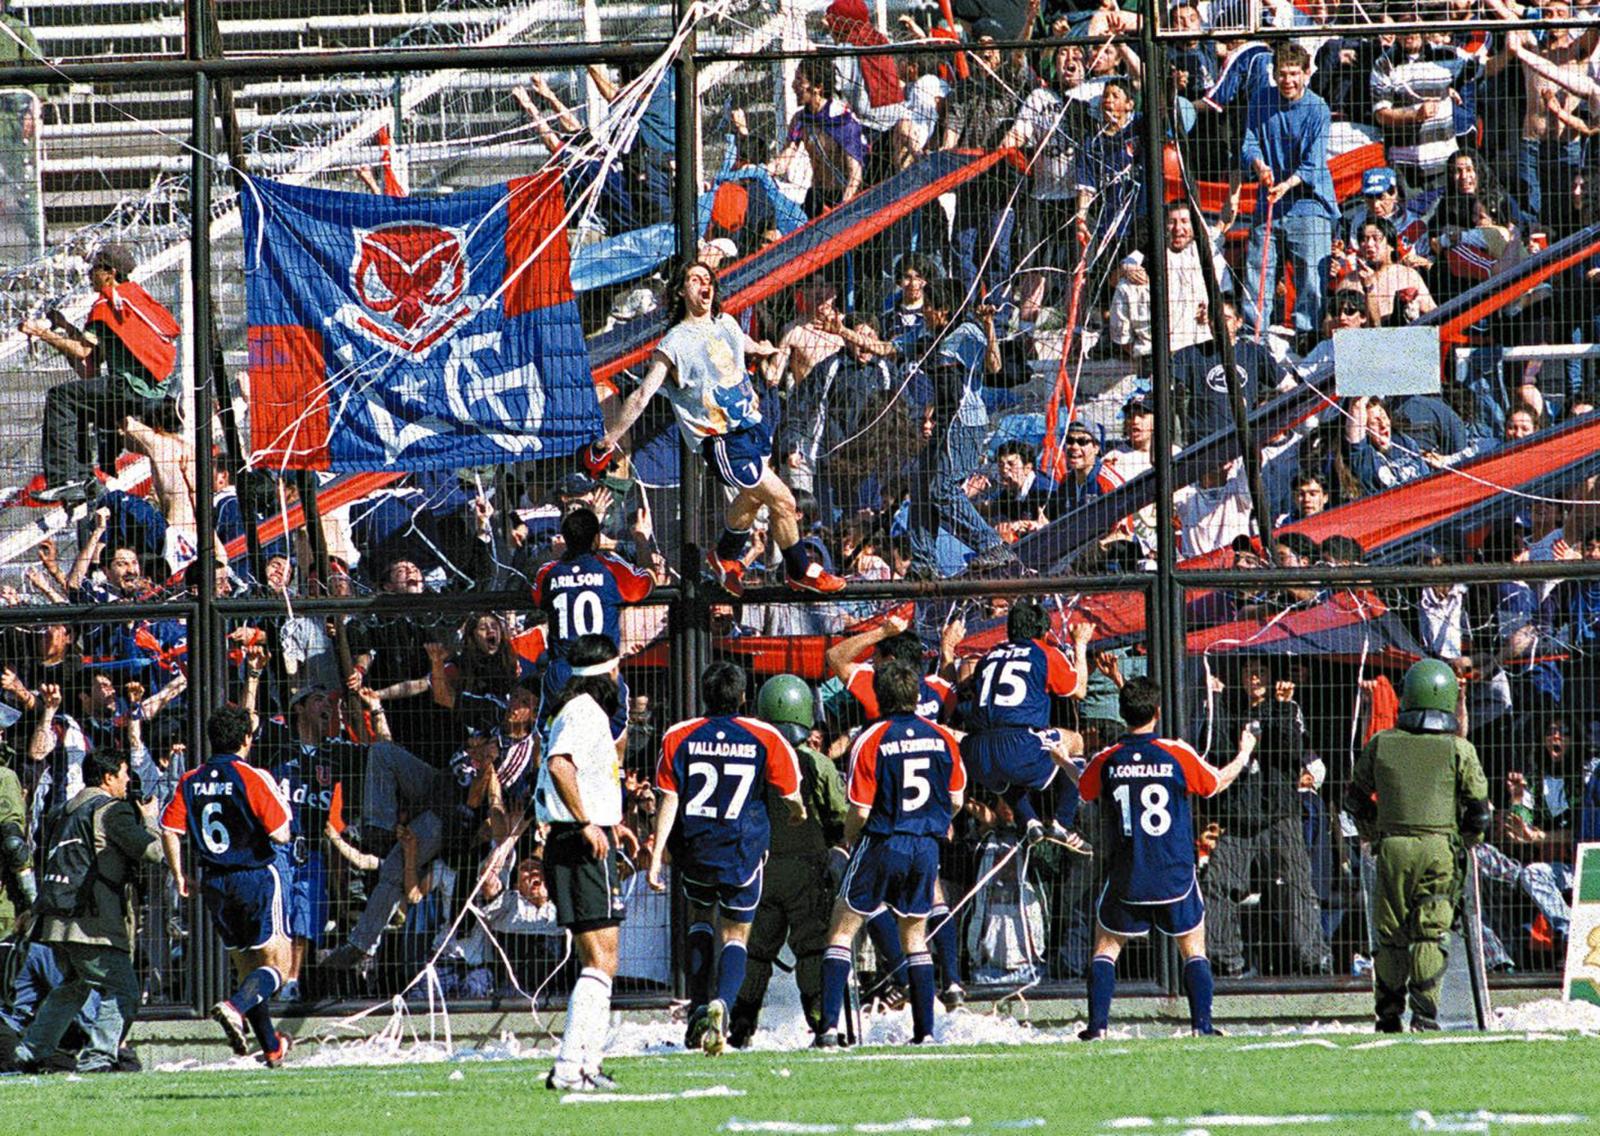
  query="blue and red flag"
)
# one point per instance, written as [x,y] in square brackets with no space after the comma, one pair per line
[409,333]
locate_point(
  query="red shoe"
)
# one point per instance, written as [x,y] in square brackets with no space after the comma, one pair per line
[817,580]
[275,1059]
[729,574]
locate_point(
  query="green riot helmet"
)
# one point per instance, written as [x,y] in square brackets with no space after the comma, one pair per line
[1428,698]
[785,701]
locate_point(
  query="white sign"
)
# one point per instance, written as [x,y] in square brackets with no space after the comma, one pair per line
[1582,980]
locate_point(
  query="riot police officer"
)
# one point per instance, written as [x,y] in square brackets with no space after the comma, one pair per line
[1417,794]
[796,899]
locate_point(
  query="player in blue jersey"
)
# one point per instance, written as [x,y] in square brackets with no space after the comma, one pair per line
[314,770]
[936,700]
[703,353]
[1005,746]
[583,594]
[722,762]
[1147,842]
[905,785]
[233,814]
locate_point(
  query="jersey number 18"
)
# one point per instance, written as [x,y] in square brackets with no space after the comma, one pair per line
[1154,815]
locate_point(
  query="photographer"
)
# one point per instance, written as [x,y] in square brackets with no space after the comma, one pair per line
[93,849]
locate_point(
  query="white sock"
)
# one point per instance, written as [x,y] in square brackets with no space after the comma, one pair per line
[588,1019]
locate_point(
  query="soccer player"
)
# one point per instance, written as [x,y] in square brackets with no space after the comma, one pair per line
[722,761]
[703,353]
[936,700]
[1015,682]
[234,815]
[579,795]
[582,594]
[905,784]
[1147,840]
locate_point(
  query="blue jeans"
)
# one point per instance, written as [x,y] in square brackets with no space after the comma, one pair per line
[1307,240]
[1544,177]
[977,224]
[107,971]
[938,499]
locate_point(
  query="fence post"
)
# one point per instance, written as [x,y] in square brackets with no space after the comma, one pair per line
[1165,610]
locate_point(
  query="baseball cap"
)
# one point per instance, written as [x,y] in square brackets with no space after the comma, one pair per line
[1079,428]
[306,692]
[576,485]
[1380,179]
[988,26]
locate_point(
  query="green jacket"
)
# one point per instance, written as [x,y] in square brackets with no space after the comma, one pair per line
[1421,782]
[10,810]
[25,53]
[122,844]
[822,790]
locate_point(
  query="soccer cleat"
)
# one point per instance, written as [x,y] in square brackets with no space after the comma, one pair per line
[1211,1032]
[274,1059]
[581,1083]
[953,997]
[817,580]
[695,1034]
[1033,834]
[1069,840]
[599,1081]
[233,1025]
[715,1039]
[828,1039]
[894,996]
[728,574]
[1091,1035]
[1389,1025]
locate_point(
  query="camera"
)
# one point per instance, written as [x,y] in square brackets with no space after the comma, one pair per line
[137,794]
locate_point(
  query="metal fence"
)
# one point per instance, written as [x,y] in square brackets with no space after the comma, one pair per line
[1059,313]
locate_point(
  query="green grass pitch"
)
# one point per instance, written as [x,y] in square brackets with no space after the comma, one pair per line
[1341,1085]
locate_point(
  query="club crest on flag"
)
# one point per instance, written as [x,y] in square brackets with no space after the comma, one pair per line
[413,332]
[411,281]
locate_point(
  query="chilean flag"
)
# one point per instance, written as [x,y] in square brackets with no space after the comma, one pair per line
[410,333]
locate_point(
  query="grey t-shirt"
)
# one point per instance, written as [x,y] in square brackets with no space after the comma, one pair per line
[709,387]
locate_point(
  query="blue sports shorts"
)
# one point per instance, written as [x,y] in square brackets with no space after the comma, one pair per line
[898,872]
[739,459]
[247,906]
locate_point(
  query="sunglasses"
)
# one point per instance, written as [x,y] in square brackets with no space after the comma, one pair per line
[1351,307]
[1080,441]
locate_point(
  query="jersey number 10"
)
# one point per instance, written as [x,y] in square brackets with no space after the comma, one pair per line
[578,613]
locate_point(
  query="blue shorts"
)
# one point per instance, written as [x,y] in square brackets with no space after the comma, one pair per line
[739,459]
[1002,758]
[306,896]
[737,901]
[1133,920]
[898,872]
[247,906]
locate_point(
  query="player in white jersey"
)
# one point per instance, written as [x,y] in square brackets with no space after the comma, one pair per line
[720,415]
[579,795]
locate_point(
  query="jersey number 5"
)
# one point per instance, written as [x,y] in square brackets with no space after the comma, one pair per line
[701,804]
[1154,816]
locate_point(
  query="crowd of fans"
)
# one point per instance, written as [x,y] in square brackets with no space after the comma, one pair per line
[906,402]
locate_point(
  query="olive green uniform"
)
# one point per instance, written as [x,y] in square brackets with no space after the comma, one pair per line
[1422,783]
[796,896]
[11,809]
